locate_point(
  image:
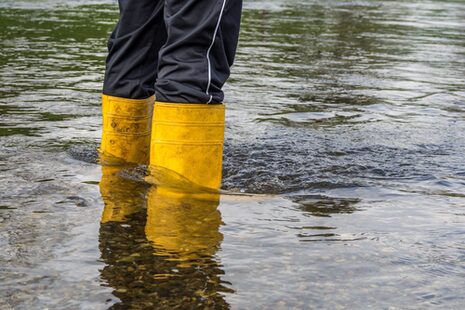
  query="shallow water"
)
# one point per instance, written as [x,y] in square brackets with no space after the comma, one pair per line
[344,178]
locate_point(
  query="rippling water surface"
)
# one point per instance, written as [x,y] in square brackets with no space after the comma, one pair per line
[344,177]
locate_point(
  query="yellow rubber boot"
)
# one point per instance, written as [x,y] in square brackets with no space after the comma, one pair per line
[183,226]
[187,139]
[126,130]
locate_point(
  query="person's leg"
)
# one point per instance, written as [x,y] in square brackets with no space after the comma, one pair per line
[188,123]
[129,81]
[131,66]
[200,48]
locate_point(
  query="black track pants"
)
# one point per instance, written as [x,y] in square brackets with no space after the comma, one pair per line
[181,50]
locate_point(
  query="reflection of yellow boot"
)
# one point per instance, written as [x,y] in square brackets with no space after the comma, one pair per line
[121,197]
[188,140]
[183,226]
[126,129]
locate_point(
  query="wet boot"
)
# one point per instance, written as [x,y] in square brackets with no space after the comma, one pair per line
[187,140]
[126,130]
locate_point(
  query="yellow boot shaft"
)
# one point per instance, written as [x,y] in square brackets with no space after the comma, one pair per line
[126,129]
[188,139]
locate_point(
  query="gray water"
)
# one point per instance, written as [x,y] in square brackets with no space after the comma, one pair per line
[344,173]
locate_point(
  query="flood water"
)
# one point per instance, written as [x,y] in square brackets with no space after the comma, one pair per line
[344,173]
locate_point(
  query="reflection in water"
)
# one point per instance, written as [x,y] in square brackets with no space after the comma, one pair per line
[183,226]
[122,197]
[159,251]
